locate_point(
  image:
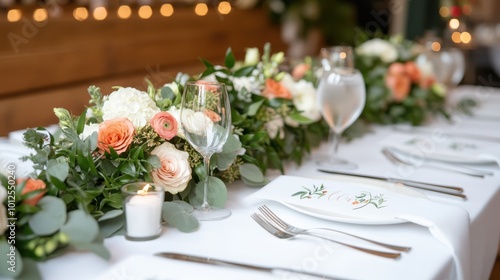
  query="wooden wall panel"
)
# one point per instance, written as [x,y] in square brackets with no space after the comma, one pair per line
[62,58]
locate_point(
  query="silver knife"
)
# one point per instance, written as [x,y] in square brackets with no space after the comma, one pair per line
[450,190]
[205,260]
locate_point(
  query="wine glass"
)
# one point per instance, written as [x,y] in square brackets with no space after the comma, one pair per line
[205,118]
[341,97]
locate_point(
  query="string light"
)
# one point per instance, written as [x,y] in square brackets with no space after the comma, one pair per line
[465,37]
[100,13]
[454,23]
[145,12]
[167,10]
[14,15]
[124,12]
[40,15]
[455,37]
[80,13]
[224,7]
[201,9]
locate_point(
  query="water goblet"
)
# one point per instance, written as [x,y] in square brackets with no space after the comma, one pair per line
[341,97]
[205,117]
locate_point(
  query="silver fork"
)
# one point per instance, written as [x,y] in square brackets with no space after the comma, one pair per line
[285,235]
[290,228]
[390,154]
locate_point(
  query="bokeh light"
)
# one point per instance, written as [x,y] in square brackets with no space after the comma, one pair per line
[201,9]
[80,13]
[124,12]
[40,15]
[224,7]
[145,12]
[167,10]
[100,13]
[14,15]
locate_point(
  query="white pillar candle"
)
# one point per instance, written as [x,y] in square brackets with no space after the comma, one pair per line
[143,216]
[142,205]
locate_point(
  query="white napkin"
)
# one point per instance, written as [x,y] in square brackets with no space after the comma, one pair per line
[448,224]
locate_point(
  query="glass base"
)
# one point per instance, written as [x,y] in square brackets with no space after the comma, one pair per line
[145,238]
[211,213]
[336,163]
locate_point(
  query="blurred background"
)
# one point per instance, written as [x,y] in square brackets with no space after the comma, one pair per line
[52,50]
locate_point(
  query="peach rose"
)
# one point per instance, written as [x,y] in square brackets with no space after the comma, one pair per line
[208,85]
[175,172]
[116,133]
[275,89]
[427,82]
[399,85]
[396,69]
[213,116]
[165,125]
[30,186]
[413,71]
[300,70]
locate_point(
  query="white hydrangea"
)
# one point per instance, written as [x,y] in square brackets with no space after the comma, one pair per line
[130,103]
[274,127]
[303,98]
[377,47]
[249,83]
[88,129]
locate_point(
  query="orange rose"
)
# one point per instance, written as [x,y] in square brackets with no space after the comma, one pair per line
[115,133]
[164,124]
[399,85]
[396,69]
[33,185]
[212,86]
[413,71]
[274,89]
[213,116]
[427,82]
[300,70]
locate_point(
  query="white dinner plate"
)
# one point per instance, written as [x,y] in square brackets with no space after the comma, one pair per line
[338,202]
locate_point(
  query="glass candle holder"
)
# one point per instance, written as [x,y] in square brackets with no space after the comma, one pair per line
[142,203]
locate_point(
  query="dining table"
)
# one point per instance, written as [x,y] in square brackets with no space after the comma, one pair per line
[450,237]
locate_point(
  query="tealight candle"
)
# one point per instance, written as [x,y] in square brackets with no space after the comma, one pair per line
[142,204]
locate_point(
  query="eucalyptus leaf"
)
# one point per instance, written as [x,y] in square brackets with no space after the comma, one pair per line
[51,216]
[110,215]
[30,270]
[217,193]
[185,222]
[81,227]
[254,184]
[58,168]
[186,206]
[251,173]
[111,226]
[11,263]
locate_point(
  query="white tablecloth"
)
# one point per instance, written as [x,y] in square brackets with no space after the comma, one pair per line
[239,238]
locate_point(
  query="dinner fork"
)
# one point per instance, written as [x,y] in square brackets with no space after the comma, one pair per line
[288,227]
[272,229]
[391,155]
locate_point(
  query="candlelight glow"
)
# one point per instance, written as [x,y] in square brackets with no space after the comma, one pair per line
[144,190]
[343,55]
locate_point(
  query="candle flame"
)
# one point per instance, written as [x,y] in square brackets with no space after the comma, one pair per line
[144,190]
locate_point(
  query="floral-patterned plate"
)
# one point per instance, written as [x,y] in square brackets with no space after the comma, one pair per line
[344,199]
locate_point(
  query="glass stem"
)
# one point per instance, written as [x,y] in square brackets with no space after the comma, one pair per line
[334,140]
[206,162]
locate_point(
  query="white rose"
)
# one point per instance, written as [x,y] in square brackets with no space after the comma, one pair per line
[176,113]
[196,122]
[252,56]
[175,172]
[274,127]
[130,103]
[377,47]
[303,98]
[88,130]
[3,212]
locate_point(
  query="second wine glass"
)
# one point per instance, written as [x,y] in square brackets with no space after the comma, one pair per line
[206,122]
[341,97]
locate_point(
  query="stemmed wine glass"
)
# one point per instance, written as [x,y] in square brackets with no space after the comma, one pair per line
[205,117]
[341,97]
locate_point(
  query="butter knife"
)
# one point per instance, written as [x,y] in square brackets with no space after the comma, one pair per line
[205,260]
[450,190]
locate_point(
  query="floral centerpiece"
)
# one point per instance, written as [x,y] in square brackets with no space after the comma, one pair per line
[397,89]
[72,198]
